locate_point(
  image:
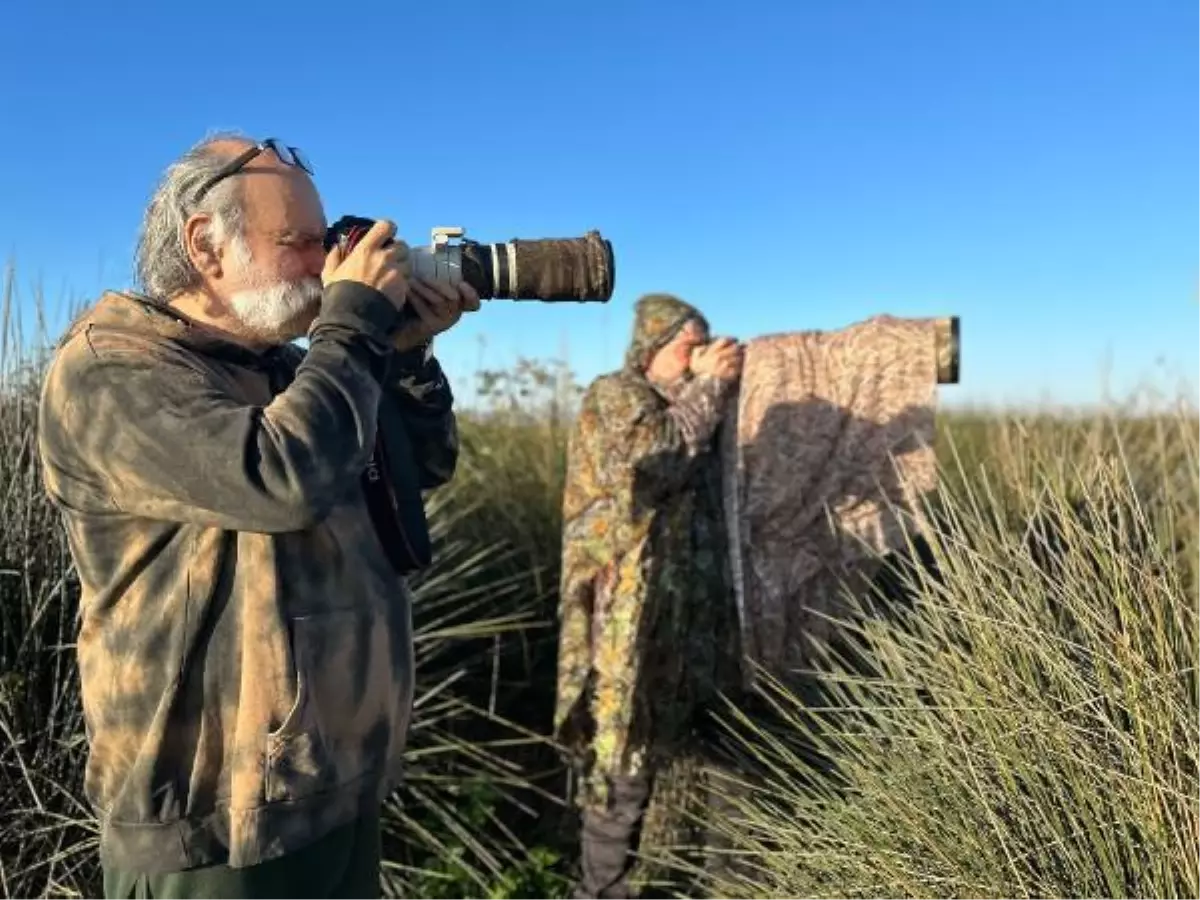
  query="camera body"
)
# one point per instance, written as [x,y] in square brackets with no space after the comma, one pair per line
[550,270]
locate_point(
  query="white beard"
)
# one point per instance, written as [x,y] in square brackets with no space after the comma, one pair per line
[272,311]
[271,307]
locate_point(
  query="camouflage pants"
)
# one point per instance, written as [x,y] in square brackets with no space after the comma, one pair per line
[344,863]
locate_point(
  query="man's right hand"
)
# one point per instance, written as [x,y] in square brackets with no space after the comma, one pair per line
[386,269]
[720,359]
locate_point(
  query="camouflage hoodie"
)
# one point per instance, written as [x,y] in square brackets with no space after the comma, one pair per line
[645,610]
[245,646]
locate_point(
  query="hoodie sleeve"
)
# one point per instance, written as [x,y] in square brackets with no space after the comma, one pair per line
[133,425]
[422,400]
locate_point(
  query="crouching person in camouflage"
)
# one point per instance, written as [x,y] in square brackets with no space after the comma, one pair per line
[241,512]
[647,637]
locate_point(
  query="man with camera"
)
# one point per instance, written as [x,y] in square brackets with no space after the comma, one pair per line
[241,513]
[649,632]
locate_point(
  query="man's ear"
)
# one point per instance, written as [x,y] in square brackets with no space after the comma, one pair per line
[197,240]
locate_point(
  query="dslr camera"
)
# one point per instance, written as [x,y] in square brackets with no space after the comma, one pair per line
[551,270]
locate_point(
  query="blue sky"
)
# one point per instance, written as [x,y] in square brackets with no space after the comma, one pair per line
[1029,166]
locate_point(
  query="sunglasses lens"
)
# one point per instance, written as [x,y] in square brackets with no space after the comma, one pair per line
[289,156]
[299,159]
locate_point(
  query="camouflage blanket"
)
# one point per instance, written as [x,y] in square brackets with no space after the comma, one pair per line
[824,452]
[827,448]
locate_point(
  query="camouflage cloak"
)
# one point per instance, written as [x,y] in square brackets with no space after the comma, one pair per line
[649,630]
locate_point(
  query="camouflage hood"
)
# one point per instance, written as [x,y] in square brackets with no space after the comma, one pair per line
[657,319]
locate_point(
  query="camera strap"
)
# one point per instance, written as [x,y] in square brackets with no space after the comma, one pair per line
[406,548]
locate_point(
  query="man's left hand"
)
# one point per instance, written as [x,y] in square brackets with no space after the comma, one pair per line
[438,306]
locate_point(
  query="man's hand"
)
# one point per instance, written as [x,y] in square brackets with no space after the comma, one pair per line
[438,306]
[385,269]
[721,359]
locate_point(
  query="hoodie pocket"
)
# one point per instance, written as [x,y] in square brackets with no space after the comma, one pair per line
[324,741]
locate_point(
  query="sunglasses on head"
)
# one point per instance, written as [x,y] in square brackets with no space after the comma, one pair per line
[289,156]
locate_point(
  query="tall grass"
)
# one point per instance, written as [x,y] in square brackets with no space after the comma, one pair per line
[46,834]
[1024,723]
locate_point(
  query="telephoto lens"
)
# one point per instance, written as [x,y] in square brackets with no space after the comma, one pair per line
[550,270]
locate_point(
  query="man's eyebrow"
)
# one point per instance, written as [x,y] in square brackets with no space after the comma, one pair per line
[303,235]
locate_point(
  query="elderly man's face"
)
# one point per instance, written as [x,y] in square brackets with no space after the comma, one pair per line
[271,278]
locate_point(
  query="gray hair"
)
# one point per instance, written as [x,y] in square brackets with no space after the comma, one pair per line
[163,267]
